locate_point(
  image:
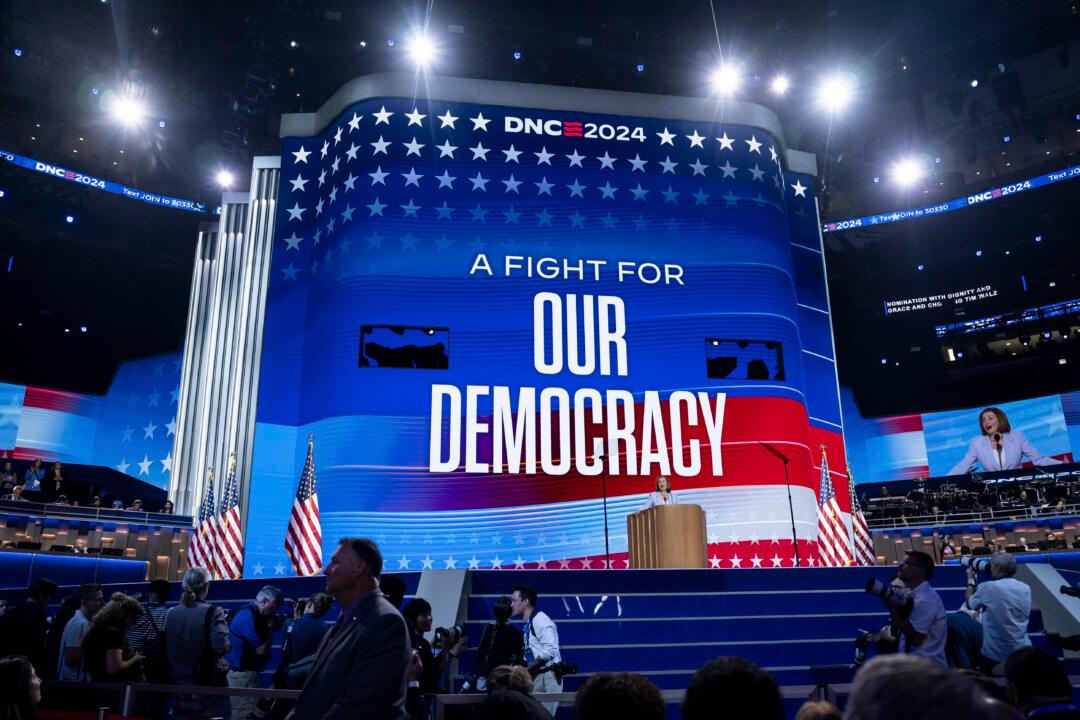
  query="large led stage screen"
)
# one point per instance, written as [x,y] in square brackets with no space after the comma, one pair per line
[493,304]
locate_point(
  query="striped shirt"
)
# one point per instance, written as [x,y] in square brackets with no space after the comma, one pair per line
[142,638]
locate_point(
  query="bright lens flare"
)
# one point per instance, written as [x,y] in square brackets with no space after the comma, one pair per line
[836,93]
[725,80]
[421,50]
[780,84]
[907,172]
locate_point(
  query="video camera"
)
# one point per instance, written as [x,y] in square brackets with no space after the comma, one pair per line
[560,669]
[446,638]
[1070,591]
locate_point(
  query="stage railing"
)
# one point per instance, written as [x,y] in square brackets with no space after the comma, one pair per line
[1024,513]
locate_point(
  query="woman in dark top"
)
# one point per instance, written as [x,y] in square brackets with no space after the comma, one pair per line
[500,644]
[417,615]
[20,688]
[106,653]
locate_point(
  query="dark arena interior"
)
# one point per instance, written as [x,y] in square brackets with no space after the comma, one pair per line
[454,359]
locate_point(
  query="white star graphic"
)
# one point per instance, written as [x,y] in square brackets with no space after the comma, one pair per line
[606,161]
[378,176]
[447,120]
[174,393]
[414,147]
[479,152]
[714,562]
[666,138]
[638,163]
[380,146]
[757,172]
[127,434]
[354,124]
[756,560]
[695,140]
[153,398]
[382,116]
[639,193]
[496,563]
[446,179]
[171,426]
[575,159]
[544,187]
[149,431]
[290,271]
[415,117]
[403,563]
[411,178]
[446,149]
[608,191]
[726,142]
[166,464]
[301,155]
[772,153]
[451,563]
[296,212]
[325,148]
[376,208]
[426,563]
[541,563]
[754,145]
[350,182]
[519,564]
[257,569]
[479,182]
[776,560]
[480,122]
[669,167]
[699,169]
[279,568]
[799,188]
[144,466]
[511,184]
[543,157]
[728,169]
[350,153]
[576,189]
[337,136]
[511,154]
[735,561]
[474,564]
[298,183]
[123,466]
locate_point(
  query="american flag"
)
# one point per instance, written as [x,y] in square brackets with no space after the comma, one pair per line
[230,547]
[303,539]
[834,549]
[861,542]
[204,539]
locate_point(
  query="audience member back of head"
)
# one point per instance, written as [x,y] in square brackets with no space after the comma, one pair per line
[909,687]
[732,688]
[1037,679]
[626,696]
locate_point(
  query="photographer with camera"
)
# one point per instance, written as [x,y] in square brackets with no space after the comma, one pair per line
[1004,605]
[922,631]
[417,614]
[499,644]
[251,634]
[541,641]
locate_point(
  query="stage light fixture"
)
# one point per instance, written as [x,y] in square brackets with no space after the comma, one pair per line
[907,172]
[390,42]
[1038,238]
[82,328]
[921,268]
[640,67]
[725,80]
[18,52]
[978,253]
[835,93]
[69,219]
[421,50]
[974,83]
[292,43]
[67,330]
[363,43]
[224,179]
[516,55]
[161,123]
[1006,139]
[127,110]
[2,194]
[95,91]
[884,361]
[780,85]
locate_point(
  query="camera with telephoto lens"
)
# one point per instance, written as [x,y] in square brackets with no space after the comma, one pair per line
[862,644]
[890,594]
[446,638]
[1070,591]
[977,564]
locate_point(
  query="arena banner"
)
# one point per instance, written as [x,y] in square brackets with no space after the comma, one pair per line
[492,316]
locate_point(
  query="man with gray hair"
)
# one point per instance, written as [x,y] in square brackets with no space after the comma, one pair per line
[1004,604]
[251,634]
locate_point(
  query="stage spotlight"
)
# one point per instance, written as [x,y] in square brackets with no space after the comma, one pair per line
[363,43]
[2,194]
[725,79]
[82,328]
[292,43]
[1006,139]
[224,179]
[127,110]
[516,55]
[390,42]
[907,172]
[95,91]
[1038,238]
[921,268]
[69,219]
[161,123]
[884,361]
[780,84]
[640,67]
[18,52]
[421,50]
[978,253]
[974,83]
[835,93]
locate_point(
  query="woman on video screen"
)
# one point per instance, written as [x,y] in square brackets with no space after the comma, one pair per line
[998,446]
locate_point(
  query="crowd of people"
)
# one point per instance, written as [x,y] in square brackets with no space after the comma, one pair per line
[374,661]
[38,485]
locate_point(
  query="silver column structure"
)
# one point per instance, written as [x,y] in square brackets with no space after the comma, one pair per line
[223,346]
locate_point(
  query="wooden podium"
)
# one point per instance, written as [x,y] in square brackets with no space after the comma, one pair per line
[667,536]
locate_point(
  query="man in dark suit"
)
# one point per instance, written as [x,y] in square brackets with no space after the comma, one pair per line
[360,668]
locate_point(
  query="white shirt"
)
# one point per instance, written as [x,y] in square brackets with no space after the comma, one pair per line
[74,633]
[928,618]
[544,638]
[1007,603]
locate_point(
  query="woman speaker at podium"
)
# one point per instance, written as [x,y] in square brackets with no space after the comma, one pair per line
[662,495]
[998,446]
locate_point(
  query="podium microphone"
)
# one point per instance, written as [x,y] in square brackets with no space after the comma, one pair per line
[997,444]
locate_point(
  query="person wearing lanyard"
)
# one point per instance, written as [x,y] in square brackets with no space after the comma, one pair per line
[541,642]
